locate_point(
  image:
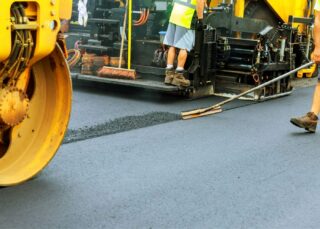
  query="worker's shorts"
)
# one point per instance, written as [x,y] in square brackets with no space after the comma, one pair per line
[179,37]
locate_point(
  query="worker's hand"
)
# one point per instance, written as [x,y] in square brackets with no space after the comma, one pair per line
[199,26]
[315,56]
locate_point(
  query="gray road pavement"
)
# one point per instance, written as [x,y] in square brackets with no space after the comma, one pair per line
[95,104]
[243,168]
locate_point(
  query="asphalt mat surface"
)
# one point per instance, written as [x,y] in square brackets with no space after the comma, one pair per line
[243,168]
[97,103]
[100,109]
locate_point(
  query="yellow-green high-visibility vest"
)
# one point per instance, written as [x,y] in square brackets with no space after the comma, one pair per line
[317,5]
[182,12]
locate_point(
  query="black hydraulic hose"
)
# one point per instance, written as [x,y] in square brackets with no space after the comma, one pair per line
[22,47]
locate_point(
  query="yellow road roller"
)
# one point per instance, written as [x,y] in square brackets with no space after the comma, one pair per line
[35,92]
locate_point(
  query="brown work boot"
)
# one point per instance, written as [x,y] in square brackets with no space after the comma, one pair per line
[169,76]
[179,80]
[308,122]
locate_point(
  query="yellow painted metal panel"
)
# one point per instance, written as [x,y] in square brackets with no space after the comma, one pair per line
[5,30]
[214,3]
[284,9]
[129,33]
[66,9]
[239,8]
[297,8]
[48,14]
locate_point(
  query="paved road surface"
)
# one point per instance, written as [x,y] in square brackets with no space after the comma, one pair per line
[243,168]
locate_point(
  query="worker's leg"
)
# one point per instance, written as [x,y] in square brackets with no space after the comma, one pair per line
[169,41]
[310,120]
[182,58]
[171,56]
[184,40]
[316,100]
[169,69]
[179,79]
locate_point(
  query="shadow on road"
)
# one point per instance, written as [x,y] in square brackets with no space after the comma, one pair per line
[125,92]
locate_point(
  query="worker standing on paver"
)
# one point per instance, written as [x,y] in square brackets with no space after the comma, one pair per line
[310,120]
[181,36]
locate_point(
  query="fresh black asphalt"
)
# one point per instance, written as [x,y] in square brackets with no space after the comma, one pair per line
[246,167]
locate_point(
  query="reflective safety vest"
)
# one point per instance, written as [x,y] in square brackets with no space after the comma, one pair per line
[317,5]
[182,12]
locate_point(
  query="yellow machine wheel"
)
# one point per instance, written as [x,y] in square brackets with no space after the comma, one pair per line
[30,145]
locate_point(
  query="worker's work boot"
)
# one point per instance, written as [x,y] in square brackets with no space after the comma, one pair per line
[179,80]
[169,76]
[308,122]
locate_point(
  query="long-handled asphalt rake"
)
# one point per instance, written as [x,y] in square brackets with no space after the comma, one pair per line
[217,108]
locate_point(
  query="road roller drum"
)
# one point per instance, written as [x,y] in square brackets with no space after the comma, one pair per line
[35,86]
